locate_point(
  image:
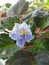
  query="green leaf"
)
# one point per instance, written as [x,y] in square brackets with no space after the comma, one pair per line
[8,51]
[32,26]
[18,8]
[7,46]
[39,44]
[43,43]
[46,44]
[7,5]
[21,57]
[42,19]
[5,41]
[8,22]
[42,58]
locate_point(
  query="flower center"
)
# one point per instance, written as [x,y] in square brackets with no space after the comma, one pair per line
[22,31]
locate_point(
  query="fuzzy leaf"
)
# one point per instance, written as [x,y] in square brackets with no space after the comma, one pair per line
[7,46]
[42,19]
[39,44]
[42,58]
[8,22]
[5,40]
[21,57]
[7,52]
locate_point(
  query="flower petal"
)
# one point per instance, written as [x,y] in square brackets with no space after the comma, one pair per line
[16,28]
[29,37]
[24,26]
[20,43]
[13,35]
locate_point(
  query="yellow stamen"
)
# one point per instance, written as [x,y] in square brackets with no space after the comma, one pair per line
[22,31]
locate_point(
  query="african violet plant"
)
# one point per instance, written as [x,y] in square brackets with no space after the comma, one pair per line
[24,39]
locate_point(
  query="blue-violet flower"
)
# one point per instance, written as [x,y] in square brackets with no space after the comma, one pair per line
[21,33]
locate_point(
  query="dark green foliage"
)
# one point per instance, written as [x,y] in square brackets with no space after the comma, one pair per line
[33,26]
[42,43]
[39,44]
[7,52]
[5,40]
[9,22]
[21,57]
[7,46]
[42,19]
[42,58]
